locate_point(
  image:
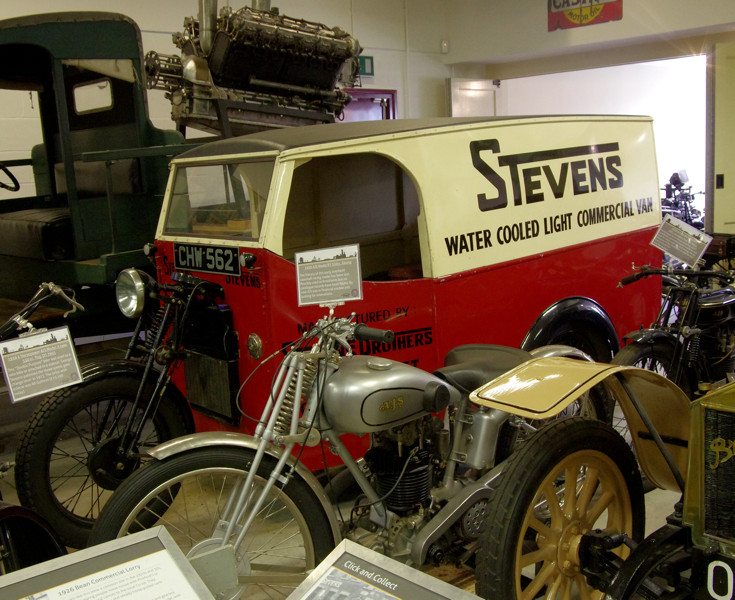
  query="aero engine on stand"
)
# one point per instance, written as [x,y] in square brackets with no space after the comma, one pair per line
[252,69]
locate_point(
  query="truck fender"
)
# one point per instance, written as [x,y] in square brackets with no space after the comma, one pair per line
[208,439]
[575,309]
[100,369]
[543,387]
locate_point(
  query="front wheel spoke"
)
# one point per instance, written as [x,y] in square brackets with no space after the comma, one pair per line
[584,591]
[58,453]
[539,581]
[71,501]
[570,491]
[75,470]
[547,553]
[599,506]
[552,501]
[589,486]
[541,528]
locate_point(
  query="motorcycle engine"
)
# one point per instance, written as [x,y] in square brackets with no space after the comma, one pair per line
[402,461]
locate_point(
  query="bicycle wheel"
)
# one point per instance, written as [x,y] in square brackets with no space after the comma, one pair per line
[66,461]
[576,474]
[188,493]
[657,357]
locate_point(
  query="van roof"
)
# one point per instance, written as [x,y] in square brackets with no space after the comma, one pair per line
[309,135]
[296,137]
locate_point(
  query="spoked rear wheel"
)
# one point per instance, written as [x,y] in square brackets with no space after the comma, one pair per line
[188,494]
[572,476]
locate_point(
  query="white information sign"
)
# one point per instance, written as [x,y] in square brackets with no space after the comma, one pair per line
[329,276]
[352,571]
[680,240]
[39,362]
[152,577]
[147,565]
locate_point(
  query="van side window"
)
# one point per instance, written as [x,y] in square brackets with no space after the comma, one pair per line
[356,198]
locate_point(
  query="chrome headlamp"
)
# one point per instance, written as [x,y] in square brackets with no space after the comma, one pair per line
[130,290]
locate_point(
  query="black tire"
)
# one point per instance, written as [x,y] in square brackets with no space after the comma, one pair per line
[25,539]
[531,536]
[187,494]
[657,356]
[65,458]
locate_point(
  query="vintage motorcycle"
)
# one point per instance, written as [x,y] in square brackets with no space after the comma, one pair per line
[249,502]
[679,200]
[566,519]
[692,339]
[83,440]
[25,537]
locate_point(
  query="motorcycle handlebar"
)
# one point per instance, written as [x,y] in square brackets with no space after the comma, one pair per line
[371,334]
[687,273]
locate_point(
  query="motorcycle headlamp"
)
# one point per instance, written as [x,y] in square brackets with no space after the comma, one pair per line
[130,290]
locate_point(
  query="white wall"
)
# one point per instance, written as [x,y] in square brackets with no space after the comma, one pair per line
[671,91]
[498,31]
[404,36]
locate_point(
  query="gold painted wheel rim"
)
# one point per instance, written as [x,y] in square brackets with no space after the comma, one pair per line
[584,491]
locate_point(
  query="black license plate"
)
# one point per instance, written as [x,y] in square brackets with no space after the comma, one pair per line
[207,259]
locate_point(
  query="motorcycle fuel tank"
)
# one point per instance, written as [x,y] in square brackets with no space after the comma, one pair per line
[370,393]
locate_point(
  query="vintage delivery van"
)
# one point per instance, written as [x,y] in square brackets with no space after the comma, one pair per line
[511,231]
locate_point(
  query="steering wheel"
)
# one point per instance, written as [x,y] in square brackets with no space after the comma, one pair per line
[14,186]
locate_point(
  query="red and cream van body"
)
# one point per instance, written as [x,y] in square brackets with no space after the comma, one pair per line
[509,231]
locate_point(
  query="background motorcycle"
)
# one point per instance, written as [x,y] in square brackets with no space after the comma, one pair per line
[679,201]
[25,537]
[423,483]
[83,440]
[691,341]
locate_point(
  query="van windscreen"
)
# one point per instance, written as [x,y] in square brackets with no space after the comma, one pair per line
[225,200]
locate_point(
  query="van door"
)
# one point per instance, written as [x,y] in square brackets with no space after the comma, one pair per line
[367,199]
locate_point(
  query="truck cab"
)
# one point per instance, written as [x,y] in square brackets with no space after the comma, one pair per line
[93,178]
[91,187]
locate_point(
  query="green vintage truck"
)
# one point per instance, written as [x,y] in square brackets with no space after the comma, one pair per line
[100,168]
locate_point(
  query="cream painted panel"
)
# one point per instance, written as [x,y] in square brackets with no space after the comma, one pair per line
[720,208]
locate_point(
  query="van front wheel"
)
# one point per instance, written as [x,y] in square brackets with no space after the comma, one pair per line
[574,475]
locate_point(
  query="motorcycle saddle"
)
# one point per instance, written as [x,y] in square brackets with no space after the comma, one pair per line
[470,366]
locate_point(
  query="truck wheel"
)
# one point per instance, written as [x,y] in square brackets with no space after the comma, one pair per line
[576,474]
[189,494]
[66,462]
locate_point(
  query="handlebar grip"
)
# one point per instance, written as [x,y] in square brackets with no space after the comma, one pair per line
[371,334]
[632,278]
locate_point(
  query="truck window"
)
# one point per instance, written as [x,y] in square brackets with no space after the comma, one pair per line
[356,198]
[222,200]
[94,96]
